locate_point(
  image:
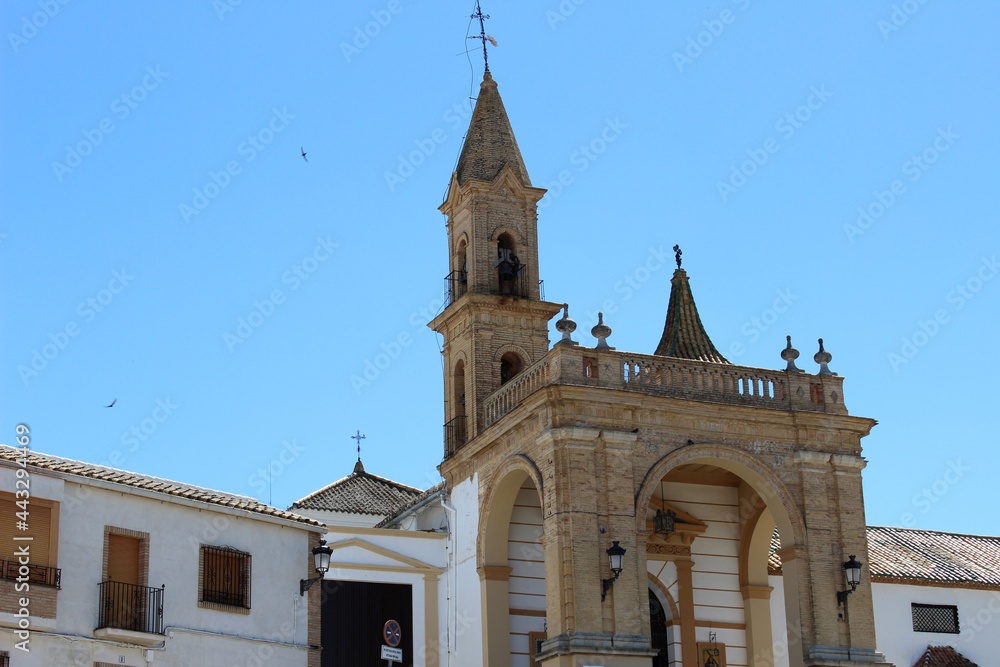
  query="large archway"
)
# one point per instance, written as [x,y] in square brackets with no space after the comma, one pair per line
[512,565]
[724,504]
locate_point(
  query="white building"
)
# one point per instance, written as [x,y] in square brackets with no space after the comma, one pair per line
[125,569]
[936,595]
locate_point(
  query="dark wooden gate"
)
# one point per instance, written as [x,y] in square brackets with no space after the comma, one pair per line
[353,614]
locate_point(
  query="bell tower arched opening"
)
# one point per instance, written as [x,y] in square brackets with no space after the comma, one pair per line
[510,365]
[510,271]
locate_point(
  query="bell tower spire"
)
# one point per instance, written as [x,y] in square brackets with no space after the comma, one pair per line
[495,324]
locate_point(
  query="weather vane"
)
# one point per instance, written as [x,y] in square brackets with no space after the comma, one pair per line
[677,255]
[359,437]
[482,33]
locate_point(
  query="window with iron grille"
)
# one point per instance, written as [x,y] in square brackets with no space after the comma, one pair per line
[935,618]
[225,576]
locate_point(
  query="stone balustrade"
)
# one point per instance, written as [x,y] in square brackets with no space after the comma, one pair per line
[672,377]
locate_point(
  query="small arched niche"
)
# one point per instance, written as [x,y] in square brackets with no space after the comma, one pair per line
[510,365]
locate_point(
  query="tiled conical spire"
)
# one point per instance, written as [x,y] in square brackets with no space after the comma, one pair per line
[684,335]
[490,142]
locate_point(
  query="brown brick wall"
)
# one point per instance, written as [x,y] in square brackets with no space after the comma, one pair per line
[42,599]
[314,597]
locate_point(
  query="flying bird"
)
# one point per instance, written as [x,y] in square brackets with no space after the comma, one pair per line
[111,404]
[303,153]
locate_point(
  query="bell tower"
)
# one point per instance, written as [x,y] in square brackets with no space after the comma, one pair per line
[495,324]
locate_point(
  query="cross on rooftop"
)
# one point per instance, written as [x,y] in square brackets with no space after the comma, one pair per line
[482,33]
[359,437]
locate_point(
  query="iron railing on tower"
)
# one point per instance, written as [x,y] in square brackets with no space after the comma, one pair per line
[456,284]
[456,434]
[130,607]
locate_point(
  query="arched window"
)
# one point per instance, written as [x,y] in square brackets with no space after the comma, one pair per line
[459,388]
[462,263]
[510,365]
[458,279]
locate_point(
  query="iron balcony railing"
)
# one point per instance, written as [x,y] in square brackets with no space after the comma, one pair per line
[130,607]
[456,284]
[455,435]
[35,574]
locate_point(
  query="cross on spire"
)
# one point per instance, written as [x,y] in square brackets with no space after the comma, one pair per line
[482,36]
[359,437]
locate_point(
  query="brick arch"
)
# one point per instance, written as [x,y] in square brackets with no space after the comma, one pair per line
[494,525]
[656,584]
[504,349]
[494,516]
[739,462]
[504,229]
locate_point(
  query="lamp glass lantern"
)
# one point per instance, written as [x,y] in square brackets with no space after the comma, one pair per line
[321,556]
[616,554]
[852,568]
[616,558]
[321,560]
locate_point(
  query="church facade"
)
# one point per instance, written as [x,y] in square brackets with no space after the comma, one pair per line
[686,462]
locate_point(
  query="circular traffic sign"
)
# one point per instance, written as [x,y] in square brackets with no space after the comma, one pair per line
[392,633]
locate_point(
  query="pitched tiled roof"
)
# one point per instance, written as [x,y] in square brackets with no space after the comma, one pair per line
[145,482]
[943,656]
[684,335]
[359,493]
[925,557]
[489,143]
[402,508]
[933,557]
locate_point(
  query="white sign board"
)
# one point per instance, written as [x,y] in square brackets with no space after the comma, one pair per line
[390,653]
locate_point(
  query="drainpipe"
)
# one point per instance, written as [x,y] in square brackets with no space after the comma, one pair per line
[451,579]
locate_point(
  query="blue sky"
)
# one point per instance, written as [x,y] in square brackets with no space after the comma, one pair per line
[834,162]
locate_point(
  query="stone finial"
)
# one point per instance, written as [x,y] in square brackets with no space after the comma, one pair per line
[790,354]
[566,326]
[601,332]
[823,358]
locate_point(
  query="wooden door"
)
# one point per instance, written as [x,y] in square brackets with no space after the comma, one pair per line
[124,601]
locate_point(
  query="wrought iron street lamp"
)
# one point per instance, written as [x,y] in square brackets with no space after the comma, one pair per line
[321,559]
[852,569]
[616,556]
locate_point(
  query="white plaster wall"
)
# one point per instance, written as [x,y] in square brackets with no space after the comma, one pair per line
[779,627]
[467,641]
[978,615]
[182,650]
[341,518]
[277,612]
